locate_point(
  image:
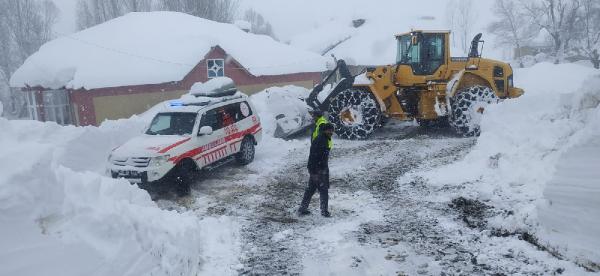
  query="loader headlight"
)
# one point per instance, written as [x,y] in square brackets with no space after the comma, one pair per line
[159,160]
[510,81]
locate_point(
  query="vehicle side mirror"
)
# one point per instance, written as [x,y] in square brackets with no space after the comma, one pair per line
[205,130]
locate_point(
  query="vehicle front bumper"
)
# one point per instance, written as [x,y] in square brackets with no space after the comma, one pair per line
[138,175]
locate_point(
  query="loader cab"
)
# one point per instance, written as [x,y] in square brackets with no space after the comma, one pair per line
[423,52]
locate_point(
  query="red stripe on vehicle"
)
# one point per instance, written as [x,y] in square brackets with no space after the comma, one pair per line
[238,135]
[174,145]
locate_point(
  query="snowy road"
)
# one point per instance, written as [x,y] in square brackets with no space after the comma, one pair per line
[380,225]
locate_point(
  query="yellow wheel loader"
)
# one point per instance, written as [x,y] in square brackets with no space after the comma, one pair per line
[425,84]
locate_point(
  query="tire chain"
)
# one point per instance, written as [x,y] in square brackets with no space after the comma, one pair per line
[369,108]
[460,118]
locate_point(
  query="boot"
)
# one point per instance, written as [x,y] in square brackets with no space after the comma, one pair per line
[325,205]
[303,212]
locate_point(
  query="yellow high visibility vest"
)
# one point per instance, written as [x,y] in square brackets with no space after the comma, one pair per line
[321,120]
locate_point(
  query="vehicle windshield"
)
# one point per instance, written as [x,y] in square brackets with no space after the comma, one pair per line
[423,52]
[174,123]
[404,50]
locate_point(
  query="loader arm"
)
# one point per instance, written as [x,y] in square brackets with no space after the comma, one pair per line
[346,81]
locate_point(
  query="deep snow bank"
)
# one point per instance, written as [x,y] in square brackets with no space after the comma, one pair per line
[516,156]
[288,100]
[61,216]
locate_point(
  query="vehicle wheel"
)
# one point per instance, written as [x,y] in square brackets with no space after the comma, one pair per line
[468,106]
[354,113]
[246,154]
[183,176]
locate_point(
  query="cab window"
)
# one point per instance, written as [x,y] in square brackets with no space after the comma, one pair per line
[423,52]
[235,112]
[212,119]
[227,115]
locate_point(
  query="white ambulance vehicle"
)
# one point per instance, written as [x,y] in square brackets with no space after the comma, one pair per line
[213,123]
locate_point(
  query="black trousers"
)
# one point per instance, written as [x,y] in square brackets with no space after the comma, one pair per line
[318,181]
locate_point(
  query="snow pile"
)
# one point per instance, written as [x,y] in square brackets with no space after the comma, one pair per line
[243,25]
[323,39]
[213,85]
[330,30]
[61,216]
[287,100]
[371,44]
[154,47]
[269,103]
[522,141]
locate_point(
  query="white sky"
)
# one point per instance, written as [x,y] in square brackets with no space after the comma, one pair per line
[66,21]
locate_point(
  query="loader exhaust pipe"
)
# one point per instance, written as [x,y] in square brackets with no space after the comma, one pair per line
[474,51]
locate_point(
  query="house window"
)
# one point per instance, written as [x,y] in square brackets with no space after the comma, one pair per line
[56,107]
[215,67]
[32,105]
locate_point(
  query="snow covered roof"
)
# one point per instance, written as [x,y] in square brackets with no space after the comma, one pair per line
[373,42]
[370,44]
[154,47]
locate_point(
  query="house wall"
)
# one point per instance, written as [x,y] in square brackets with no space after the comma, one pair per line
[96,105]
[245,81]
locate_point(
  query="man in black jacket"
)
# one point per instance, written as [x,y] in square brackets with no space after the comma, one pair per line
[318,169]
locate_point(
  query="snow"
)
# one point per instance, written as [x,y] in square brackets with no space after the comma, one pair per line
[319,40]
[212,85]
[535,161]
[288,101]
[534,158]
[243,25]
[373,43]
[363,79]
[151,48]
[332,251]
[62,216]
[570,214]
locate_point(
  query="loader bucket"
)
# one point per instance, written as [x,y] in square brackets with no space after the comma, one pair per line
[318,99]
[287,127]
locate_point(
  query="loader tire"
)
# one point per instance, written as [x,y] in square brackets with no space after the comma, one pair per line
[354,113]
[468,106]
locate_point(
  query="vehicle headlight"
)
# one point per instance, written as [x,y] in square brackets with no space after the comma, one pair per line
[159,160]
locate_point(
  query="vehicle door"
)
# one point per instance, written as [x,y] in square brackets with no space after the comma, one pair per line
[242,126]
[233,130]
[212,146]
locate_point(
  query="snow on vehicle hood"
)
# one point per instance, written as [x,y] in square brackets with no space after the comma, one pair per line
[149,145]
